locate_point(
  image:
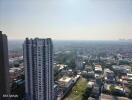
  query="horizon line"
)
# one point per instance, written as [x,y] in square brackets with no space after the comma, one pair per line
[73,40]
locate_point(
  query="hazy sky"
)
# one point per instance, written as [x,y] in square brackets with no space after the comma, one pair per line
[67,19]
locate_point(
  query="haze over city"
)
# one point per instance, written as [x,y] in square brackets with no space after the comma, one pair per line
[67,19]
[65,49]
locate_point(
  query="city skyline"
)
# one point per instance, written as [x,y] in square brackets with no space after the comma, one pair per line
[80,71]
[67,19]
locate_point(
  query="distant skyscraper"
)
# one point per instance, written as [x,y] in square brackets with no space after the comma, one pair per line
[38,60]
[4,66]
[79,61]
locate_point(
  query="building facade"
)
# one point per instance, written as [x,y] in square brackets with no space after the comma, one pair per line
[38,61]
[79,62]
[4,66]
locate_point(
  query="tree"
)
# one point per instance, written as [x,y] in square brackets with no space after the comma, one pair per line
[87,93]
[130,88]
[16,64]
[112,89]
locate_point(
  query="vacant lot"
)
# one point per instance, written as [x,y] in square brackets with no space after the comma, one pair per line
[78,90]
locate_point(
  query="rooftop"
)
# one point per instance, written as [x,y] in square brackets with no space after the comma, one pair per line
[65,79]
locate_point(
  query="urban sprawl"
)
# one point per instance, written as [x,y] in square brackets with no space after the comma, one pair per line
[44,69]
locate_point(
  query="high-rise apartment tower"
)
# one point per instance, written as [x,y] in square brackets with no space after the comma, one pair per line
[4,66]
[38,61]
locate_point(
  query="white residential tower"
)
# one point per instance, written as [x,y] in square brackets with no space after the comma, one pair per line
[38,61]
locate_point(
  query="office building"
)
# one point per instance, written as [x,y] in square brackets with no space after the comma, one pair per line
[38,62]
[4,66]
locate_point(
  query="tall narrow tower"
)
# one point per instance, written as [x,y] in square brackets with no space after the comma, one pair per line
[38,61]
[4,66]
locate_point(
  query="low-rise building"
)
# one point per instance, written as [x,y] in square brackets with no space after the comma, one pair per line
[129,77]
[65,81]
[119,69]
[15,72]
[109,75]
[98,69]
[91,84]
